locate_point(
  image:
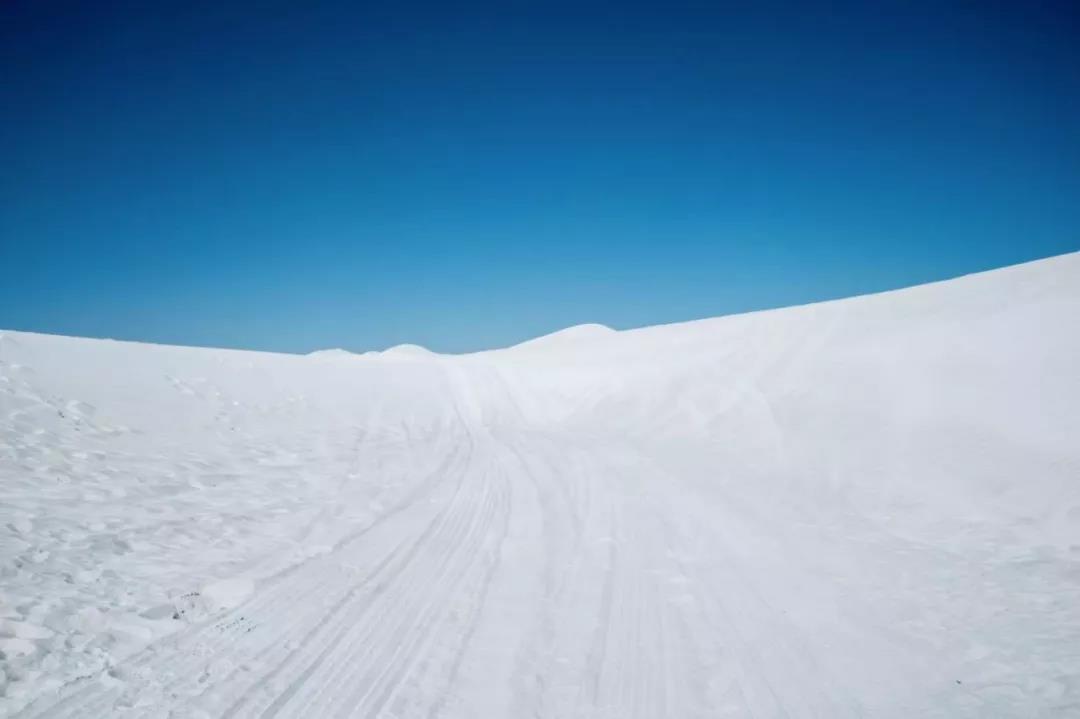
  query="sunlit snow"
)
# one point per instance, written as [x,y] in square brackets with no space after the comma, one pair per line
[863,508]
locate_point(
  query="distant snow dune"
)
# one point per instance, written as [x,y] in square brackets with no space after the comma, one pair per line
[862,508]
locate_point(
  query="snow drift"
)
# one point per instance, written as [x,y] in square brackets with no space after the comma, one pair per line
[868,507]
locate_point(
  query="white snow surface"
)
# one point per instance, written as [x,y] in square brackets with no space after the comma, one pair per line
[861,508]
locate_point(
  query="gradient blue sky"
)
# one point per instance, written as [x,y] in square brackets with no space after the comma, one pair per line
[291,176]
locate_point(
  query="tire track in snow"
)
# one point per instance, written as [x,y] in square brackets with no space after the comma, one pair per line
[315,650]
[205,642]
[406,654]
[393,634]
[393,609]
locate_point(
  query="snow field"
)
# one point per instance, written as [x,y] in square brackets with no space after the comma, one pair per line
[868,507]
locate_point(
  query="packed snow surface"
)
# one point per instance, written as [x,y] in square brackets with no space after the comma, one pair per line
[864,508]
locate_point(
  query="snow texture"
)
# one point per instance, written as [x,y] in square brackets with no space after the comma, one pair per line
[863,508]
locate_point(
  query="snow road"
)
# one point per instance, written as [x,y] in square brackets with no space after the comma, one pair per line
[866,508]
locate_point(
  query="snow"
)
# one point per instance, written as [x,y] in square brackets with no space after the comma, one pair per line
[407,350]
[226,594]
[868,507]
[334,353]
[569,335]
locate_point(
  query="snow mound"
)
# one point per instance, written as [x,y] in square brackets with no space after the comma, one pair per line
[407,350]
[336,352]
[570,336]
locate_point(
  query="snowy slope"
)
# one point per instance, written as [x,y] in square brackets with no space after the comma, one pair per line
[868,507]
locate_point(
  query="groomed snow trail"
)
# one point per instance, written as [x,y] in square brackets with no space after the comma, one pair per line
[866,508]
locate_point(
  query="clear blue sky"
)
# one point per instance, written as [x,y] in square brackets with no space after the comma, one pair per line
[291,175]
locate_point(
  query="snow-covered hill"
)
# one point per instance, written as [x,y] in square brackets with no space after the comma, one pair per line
[860,508]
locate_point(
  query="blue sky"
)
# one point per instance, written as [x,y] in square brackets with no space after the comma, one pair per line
[292,176]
